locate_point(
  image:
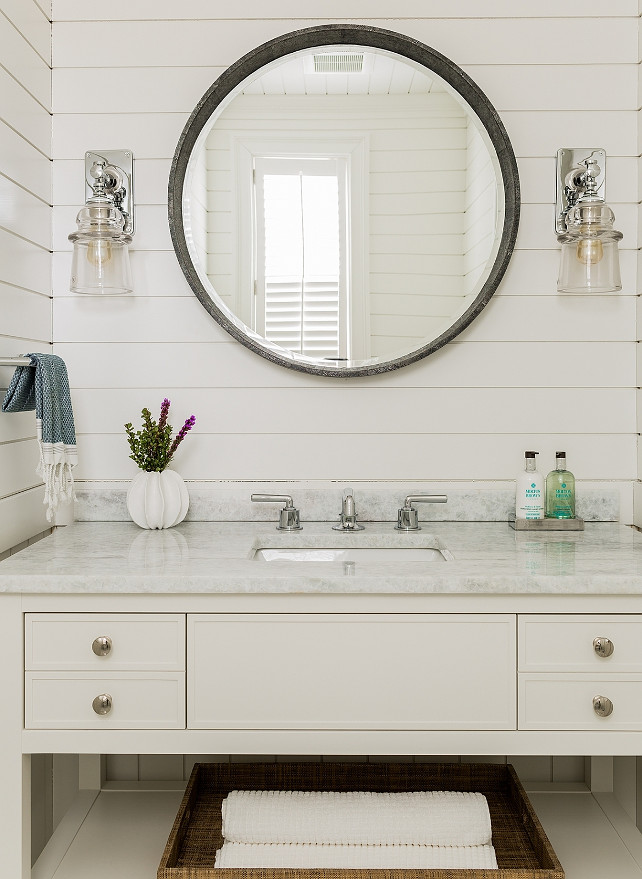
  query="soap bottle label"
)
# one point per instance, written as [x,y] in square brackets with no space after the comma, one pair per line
[533,509]
[560,491]
[529,491]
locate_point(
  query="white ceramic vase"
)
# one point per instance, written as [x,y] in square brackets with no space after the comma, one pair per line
[157,500]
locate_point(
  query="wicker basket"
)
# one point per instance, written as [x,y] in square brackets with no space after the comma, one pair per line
[522,848]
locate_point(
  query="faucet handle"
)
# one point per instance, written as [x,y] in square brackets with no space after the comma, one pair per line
[408,518]
[289,517]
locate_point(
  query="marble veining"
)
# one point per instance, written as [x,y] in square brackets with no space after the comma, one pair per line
[201,557]
[323,505]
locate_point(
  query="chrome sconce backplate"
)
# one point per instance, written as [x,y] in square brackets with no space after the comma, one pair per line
[118,169]
[568,160]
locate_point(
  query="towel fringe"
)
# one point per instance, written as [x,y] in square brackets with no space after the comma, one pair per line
[59,484]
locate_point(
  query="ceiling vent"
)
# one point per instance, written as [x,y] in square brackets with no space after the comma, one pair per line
[339,62]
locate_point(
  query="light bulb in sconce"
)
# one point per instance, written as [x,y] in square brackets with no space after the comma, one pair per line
[99,253]
[589,259]
[100,262]
[589,251]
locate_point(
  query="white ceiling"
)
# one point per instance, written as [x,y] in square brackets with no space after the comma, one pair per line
[384,76]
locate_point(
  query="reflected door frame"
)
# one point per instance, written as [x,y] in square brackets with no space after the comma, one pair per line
[355,149]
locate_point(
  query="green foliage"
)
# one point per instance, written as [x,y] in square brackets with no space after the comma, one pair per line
[150,446]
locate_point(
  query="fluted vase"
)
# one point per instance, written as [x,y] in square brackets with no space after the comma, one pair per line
[157,499]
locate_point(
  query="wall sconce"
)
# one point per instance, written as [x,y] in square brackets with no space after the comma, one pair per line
[584,222]
[100,264]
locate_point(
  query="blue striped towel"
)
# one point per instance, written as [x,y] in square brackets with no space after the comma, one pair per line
[46,389]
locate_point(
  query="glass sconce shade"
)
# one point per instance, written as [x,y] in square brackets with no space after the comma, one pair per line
[590,260]
[100,263]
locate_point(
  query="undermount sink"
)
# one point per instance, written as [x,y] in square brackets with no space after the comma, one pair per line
[350,554]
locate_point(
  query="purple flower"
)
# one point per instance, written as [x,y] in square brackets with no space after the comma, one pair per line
[180,436]
[162,421]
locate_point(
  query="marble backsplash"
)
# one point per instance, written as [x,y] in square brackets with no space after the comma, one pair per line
[373,503]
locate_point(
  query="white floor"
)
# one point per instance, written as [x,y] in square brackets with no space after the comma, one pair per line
[585,840]
[123,836]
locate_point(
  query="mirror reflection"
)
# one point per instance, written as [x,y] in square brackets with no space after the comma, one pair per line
[343,206]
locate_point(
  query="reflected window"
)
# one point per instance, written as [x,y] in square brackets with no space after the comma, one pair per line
[302,295]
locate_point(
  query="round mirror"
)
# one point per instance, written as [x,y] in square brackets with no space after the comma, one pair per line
[344,200]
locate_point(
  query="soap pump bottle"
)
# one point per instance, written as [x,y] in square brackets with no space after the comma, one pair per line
[529,493]
[560,490]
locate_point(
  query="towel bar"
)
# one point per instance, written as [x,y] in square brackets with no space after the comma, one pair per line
[15,361]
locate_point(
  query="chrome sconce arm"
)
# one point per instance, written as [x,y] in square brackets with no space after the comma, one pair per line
[584,224]
[112,178]
[579,171]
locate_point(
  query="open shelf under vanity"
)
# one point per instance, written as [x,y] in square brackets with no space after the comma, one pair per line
[124,827]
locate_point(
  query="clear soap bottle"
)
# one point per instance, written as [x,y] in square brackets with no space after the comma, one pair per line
[529,491]
[560,490]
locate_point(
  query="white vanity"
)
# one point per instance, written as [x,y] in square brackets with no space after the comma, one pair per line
[119,641]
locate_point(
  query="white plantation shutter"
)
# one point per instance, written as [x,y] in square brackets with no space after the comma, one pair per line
[301,253]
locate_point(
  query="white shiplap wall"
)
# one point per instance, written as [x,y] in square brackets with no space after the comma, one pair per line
[533,370]
[25,286]
[25,245]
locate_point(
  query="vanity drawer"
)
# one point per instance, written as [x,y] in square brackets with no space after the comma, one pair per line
[567,702]
[351,671]
[568,643]
[72,641]
[143,700]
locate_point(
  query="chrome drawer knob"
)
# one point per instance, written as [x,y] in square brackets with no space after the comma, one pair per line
[102,704]
[602,706]
[603,647]
[102,646]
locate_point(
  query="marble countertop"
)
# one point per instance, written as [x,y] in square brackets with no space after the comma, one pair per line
[211,557]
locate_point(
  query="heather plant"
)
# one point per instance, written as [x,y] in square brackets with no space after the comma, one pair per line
[152,447]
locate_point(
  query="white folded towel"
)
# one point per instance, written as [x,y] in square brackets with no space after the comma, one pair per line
[401,857]
[445,818]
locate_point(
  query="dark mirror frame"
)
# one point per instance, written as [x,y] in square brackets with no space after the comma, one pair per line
[362,35]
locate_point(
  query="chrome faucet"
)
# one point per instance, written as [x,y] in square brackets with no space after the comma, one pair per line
[408,518]
[348,517]
[289,519]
